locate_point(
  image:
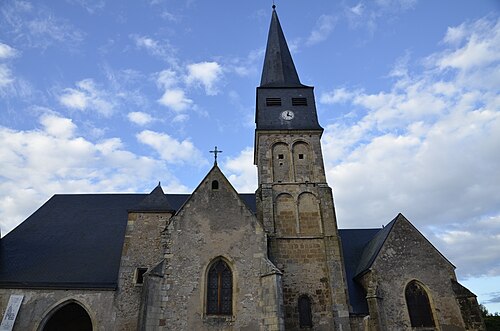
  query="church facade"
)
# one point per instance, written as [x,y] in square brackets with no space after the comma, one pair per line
[220,260]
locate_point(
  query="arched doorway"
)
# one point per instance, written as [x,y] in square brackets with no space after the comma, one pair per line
[69,317]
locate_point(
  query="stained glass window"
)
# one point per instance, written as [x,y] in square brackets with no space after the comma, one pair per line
[418,305]
[219,289]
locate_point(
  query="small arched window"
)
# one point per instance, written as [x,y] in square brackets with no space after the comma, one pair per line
[219,289]
[418,304]
[215,185]
[305,314]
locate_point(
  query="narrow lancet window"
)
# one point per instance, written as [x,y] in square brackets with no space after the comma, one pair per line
[219,289]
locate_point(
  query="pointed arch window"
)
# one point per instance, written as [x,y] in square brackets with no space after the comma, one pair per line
[219,289]
[305,314]
[419,306]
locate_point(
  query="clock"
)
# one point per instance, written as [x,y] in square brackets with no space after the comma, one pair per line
[287,115]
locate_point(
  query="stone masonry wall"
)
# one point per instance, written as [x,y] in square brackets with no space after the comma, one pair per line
[142,248]
[215,223]
[406,256]
[38,305]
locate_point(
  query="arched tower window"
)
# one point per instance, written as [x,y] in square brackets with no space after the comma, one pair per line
[302,162]
[219,289]
[70,316]
[281,163]
[305,314]
[418,304]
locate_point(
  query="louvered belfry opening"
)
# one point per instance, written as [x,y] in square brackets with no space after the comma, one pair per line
[220,289]
[299,101]
[418,304]
[270,102]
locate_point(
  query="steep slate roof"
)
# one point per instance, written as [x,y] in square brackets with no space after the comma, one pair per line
[354,242]
[279,69]
[371,250]
[74,241]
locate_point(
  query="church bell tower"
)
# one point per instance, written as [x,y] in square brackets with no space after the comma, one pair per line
[294,201]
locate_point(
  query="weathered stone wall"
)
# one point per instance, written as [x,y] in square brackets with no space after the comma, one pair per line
[142,248]
[212,224]
[406,256]
[299,216]
[38,305]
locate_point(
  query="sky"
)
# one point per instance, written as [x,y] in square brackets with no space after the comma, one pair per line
[115,96]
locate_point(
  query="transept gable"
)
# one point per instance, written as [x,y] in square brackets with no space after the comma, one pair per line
[213,200]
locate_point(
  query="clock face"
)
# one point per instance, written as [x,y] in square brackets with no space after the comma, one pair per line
[287,115]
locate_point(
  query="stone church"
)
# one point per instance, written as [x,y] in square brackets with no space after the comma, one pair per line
[217,259]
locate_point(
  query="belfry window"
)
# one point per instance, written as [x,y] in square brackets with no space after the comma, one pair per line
[299,102]
[418,304]
[305,315]
[219,289]
[271,102]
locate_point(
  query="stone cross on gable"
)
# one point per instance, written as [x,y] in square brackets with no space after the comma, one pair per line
[215,151]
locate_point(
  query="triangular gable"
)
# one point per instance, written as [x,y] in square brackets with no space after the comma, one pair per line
[372,250]
[216,172]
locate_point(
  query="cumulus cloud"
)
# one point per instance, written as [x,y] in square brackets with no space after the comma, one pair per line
[206,74]
[139,118]
[54,159]
[241,171]
[324,26]
[170,149]
[87,95]
[428,148]
[176,100]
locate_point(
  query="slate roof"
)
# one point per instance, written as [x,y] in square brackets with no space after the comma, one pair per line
[354,242]
[156,201]
[279,69]
[74,241]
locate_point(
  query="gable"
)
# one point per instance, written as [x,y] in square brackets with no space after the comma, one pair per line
[406,245]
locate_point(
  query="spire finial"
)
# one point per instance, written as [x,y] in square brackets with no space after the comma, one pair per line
[274,6]
[215,151]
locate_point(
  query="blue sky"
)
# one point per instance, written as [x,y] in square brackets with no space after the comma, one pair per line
[114,96]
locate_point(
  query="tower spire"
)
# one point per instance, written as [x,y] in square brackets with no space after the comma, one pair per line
[279,70]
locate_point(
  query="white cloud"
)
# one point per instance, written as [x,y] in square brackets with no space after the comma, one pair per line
[428,148]
[38,163]
[176,100]
[170,149]
[324,26]
[6,51]
[139,118]
[58,126]
[160,49]
[242,173]
[88,95]
[205,73]
[167,79]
